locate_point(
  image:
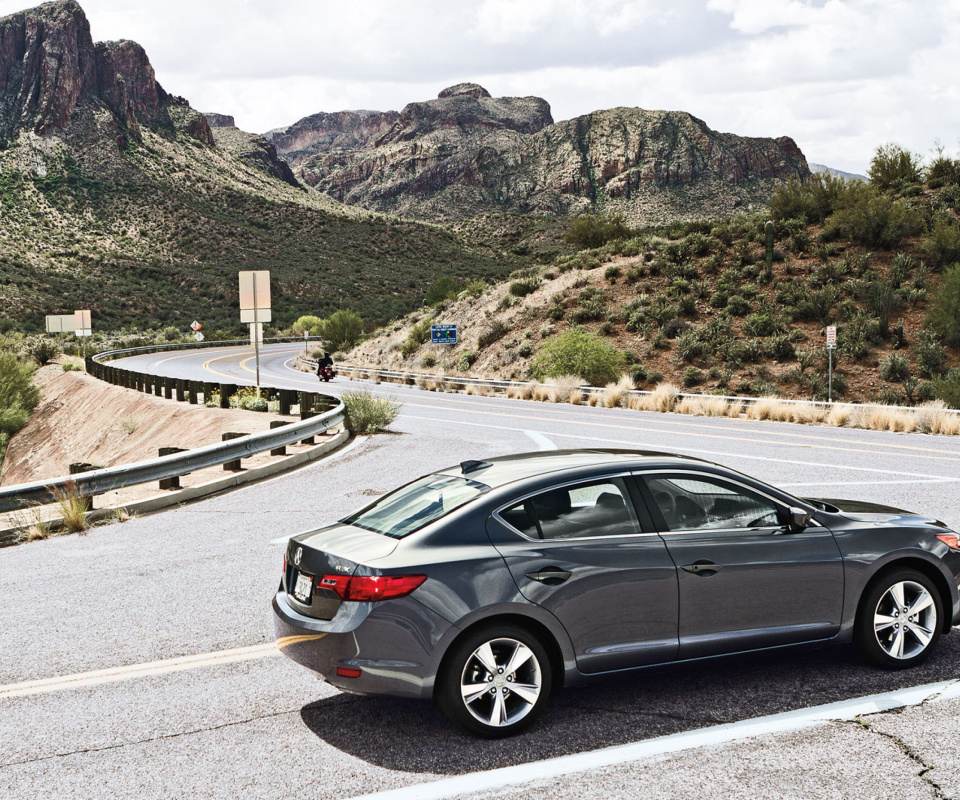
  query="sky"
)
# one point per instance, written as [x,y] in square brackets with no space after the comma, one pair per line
[841,77]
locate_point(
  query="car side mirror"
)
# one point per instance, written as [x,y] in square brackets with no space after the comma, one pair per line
[798,519]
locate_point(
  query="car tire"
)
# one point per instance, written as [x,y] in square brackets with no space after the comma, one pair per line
[477,692]
[899,620]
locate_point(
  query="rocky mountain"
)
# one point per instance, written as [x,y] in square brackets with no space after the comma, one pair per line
[467,153]
[251,148]
[837,173]
[117,196]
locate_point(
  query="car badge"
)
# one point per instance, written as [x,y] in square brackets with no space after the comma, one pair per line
[297,556]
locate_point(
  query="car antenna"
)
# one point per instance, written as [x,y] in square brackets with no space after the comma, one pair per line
[473,466]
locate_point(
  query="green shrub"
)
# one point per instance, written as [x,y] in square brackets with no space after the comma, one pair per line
[419,334]
[930,354]
[307,323]
[579,352]
[441,290]
[494,333]
[466,360]
[611,273]
[878,222]
[943,317]
[947,388]
[941,247]
[760,324]
[524,286]
[894,368]
[594,230]
[428,360]
[475,288]
[894,167]
[18,397]
[738,305]
[41,349]
[693,377]
[367,414]
[343,329]
[525,349]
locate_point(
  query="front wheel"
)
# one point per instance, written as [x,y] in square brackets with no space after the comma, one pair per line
[899,620]
[496,682]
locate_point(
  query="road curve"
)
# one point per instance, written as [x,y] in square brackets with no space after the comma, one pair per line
[155,634]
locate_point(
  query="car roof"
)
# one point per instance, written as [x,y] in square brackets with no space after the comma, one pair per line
[502,470]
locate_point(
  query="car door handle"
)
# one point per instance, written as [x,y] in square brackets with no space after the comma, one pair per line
[549,575]
[703,568]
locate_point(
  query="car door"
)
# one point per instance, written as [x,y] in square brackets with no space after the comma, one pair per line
[745,579]
[578,551]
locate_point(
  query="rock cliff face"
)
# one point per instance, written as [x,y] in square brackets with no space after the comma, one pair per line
[54,79]
[252,149]
[467,152]
[220,120]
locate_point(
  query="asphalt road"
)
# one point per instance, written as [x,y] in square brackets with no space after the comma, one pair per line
[169,590]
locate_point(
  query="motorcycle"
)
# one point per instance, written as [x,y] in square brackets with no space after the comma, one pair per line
[326,373]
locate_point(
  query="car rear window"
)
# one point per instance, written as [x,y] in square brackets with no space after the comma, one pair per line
[411,507]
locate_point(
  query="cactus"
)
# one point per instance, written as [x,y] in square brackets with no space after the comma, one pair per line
[768,230]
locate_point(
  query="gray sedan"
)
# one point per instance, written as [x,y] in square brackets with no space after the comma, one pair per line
[489,585]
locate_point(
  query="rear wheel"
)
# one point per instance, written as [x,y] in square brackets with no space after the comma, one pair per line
[496,682]
[899,620]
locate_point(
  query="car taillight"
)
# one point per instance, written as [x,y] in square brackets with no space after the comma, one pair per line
[951,540]
[370,588]
[284,566]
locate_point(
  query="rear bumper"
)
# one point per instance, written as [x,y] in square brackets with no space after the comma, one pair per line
[394,648]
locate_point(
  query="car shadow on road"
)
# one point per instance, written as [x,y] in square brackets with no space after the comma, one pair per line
[413,736]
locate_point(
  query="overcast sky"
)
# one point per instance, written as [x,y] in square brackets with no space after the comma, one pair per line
[839,76]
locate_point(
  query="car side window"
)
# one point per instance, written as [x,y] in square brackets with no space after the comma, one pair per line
[597,508]
[690,503]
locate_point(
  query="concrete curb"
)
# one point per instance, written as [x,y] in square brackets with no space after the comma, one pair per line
[10,536]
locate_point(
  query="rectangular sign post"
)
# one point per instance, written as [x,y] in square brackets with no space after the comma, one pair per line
[443,334]
[255,307]
[831,346]
[60,323]
[83,327]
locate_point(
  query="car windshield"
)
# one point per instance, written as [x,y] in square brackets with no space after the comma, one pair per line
[417,504]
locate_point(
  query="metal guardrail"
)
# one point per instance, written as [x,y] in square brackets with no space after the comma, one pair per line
[450,380]
[318,413]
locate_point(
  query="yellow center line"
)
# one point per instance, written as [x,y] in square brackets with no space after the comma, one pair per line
[129,672]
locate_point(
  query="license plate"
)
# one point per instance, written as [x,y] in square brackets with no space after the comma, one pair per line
[303,587]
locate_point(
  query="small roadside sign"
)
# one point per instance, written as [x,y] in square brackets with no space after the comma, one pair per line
[831,337]
[443,334]
[198,336]
[196,325]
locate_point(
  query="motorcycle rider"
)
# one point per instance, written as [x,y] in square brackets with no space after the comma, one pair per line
[324,363]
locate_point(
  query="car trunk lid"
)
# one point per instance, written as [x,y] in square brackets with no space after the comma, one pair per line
[336,551]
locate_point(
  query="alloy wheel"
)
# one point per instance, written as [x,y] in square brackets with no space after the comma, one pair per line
[501,682]
[905,620]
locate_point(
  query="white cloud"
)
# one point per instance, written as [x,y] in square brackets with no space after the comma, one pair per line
[840,76]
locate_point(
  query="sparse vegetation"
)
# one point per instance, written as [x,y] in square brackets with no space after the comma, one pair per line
[366,414]
[579,352]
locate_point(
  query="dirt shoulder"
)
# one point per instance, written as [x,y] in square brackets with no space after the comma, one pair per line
[82,419]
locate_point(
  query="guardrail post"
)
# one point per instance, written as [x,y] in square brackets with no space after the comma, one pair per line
[226,389]
[286,396]
[307,401]
[192,387]
[75,469]
[158,386]
[208,390]
[232,466]
[167,388]
[174,482]
[282,450]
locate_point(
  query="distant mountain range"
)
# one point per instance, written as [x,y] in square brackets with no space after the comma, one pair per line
[466,153]
[850,176]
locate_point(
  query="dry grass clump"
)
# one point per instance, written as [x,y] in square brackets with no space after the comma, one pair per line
[891,418]
[735,409]
[423,382]
[933,417]
[129,423]
[541,393]
[762,408]
[641,402]
[808,415]
[594,399]
[839,416]
[703,406]
[617,394]
[565,389]
[665,397]
[375,375]
[73,507]
[521,391]
[478,389]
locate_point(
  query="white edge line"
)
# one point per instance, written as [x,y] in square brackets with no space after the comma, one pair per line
[477,782]
[541,441]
